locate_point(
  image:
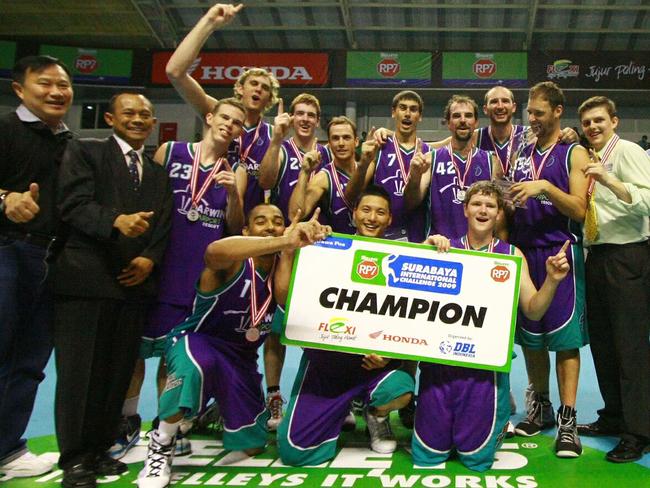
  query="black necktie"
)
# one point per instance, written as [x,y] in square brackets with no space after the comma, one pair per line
[133,169]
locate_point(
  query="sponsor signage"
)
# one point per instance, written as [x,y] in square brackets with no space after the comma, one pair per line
[388,69]
[472,69]
[223,68]
[102,66]
[404,300]
[609,69]
[7,57]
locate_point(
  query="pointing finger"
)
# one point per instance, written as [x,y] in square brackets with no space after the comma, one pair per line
[280,106]
[565,246]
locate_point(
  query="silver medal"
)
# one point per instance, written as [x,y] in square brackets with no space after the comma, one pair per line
[460,194]
[252,335]
[193,215]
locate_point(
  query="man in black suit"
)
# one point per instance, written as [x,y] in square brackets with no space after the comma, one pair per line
[116,204]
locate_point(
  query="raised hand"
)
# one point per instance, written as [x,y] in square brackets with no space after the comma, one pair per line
[226,178]
[420,163]
[369,148]
[222,13]
[133,225]
[523,190]
[595,168]
[557,267]
[282,122]
[312,159]
[381,135]
[22,207]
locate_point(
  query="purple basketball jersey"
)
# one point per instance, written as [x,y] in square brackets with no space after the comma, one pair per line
[226,312]
[541,224]
[503,151]
[445,202]
[388,175]
[499,247]
[288,175]
[337,214]
[183,259]
[254,192]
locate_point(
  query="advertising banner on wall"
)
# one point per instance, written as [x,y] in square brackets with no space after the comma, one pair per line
[608,69]
[89,65]
[388,69]
[7,58]
[223,68]
[475,70]
[405,301]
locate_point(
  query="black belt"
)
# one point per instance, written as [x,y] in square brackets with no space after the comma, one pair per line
[39,240]
[598,248]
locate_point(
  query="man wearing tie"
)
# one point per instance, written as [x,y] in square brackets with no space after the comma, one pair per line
[116,205]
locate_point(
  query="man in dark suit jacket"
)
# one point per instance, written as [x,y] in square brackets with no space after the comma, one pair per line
[116,204]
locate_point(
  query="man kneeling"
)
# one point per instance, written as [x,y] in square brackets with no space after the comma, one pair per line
[466,409]
[213,354]
[320,401]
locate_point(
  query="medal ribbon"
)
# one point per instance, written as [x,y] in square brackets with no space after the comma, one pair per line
[243,153]
[511,140]
[196,162]
[489,249]
[400,159]
[461,180]
[536,171]
[606,154]
[338,185]
[258,312]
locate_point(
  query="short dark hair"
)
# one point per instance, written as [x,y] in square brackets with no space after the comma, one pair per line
[408,95]
[111,103]
[37,64]
[485,187]
[262,204]
[460,99]
[341,120]
[375,191]
[549,91]
[598,101]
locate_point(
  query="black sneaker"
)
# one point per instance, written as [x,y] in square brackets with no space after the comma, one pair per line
[540,416]
[567,442]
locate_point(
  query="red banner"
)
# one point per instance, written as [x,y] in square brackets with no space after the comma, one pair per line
[223,68]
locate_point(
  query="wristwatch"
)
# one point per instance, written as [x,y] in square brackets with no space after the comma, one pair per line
[3,195]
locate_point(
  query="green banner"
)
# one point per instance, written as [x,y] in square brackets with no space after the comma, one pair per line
[370,68]
[7,57]
[103,66]
[473,69]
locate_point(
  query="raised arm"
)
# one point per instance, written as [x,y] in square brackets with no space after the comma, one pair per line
[235,202]
[306,193]
[188,50]
[271,163]
[365,170]
[419,179]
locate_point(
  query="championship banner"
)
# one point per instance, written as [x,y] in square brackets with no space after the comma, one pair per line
[388,69]
[403,300]
[583,69]
[471,70]
[7,57]
[89,65]
[223,68]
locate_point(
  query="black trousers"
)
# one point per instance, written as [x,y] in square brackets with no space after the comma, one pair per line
[618,310]
[96,345]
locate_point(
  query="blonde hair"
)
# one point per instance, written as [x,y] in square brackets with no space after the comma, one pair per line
[275,85]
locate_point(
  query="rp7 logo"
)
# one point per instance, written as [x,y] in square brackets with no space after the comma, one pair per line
[500,273]
[367,269]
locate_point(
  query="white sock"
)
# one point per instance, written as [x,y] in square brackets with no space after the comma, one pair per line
[130,406]
[166,431]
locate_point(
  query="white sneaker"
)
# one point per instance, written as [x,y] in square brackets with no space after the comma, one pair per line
[157,471]
[509,430]
[381,435]
[274,404]
[26,465]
